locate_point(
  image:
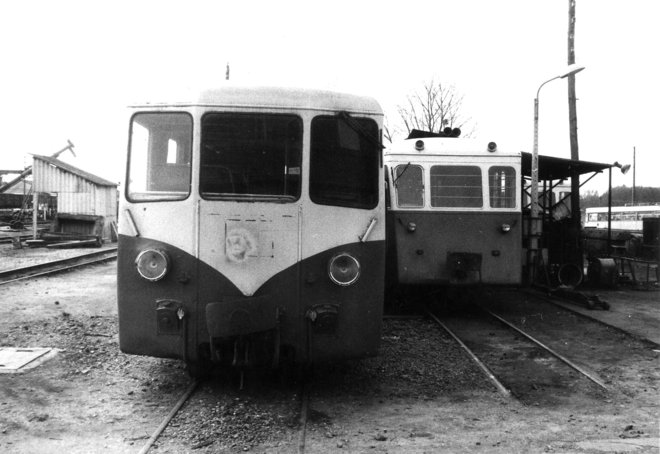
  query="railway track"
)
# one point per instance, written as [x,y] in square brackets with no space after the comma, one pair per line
[517,363]
[57,266]
[190,414]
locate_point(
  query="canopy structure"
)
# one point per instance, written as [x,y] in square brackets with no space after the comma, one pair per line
[551,168]
[560,229]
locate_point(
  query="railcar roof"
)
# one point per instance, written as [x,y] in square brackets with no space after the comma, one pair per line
[444,146]
[270,97]
[626,208]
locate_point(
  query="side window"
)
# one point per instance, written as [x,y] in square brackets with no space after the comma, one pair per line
[502,186]
[409,185]
[456,187]
[344,162]
[159,156]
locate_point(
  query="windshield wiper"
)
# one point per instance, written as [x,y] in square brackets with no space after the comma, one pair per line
[357,127]
[401,174]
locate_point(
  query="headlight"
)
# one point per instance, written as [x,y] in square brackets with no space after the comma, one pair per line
[344,269]
[152,264]
[505,228]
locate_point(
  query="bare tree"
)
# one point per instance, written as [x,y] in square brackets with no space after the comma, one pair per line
[433,109]
[388,131]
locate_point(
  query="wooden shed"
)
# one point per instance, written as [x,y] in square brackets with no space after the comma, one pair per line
[86,203]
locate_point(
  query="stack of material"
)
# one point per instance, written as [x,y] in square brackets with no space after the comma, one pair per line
[65,240]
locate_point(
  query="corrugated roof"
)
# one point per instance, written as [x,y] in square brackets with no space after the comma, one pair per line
[75,170]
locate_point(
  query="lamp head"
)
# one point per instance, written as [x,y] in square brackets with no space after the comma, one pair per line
[624,168]
[570,70]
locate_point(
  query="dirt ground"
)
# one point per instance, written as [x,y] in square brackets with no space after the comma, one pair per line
[91,398]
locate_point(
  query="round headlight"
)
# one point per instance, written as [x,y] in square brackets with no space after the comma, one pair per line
[344,269]
[505,228]
[152,264]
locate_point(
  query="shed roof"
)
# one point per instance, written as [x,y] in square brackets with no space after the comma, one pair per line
[551,168]
[75,170]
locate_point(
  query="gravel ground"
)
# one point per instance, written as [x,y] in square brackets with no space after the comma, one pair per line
[420,394]
[417,361]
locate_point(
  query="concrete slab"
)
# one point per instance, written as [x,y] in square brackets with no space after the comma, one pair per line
[13,360]
[620,445]
[634,311]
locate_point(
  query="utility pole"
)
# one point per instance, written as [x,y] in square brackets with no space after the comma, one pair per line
[575,155]
[634,170]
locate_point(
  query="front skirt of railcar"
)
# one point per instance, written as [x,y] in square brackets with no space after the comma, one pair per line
[454,248]
[300,314]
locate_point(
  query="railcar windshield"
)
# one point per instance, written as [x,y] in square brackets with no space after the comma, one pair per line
[409,184]
[248,156]
[159,157]
[456,187]
[344,162]
[502,186]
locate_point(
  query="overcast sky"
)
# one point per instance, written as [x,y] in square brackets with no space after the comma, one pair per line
[70,68]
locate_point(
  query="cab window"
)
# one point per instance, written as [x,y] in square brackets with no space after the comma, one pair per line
[502,187]
[456,187]
[159,165]
[409,186]
[344,162]
[248,156]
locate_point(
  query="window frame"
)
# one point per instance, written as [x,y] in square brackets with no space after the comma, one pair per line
[237,197]
[159,196]
[514,179]
[396,177]
[376,162]
[478,166]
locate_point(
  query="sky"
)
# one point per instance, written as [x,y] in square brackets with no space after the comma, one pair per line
[70,68]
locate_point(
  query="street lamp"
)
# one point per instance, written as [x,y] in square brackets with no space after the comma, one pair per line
[624,170]
[535,226]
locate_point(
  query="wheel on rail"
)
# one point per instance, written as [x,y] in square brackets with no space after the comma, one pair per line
[202,366]
[199,369]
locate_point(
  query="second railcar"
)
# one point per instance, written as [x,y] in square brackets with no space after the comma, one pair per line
[454,212]
[252,226]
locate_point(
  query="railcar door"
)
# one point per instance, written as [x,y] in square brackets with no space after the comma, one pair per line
[249,221]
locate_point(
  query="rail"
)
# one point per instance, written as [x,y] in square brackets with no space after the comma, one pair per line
[563,359]
[500,387]
[56,266]
[512,388]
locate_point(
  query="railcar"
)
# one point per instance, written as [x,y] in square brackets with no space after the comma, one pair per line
[251,228]
[453,212]
[626,218]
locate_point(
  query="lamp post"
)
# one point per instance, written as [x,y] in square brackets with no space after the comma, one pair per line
[624,170]
[535,224]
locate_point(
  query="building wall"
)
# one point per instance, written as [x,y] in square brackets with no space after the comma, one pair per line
[75,194]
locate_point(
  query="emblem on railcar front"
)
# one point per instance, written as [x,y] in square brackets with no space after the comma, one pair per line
[239,245]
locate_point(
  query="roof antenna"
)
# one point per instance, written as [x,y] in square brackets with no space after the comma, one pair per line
[227,73]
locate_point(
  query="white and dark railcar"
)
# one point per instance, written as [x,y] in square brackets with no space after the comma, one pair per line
[453,212]
[251,227]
